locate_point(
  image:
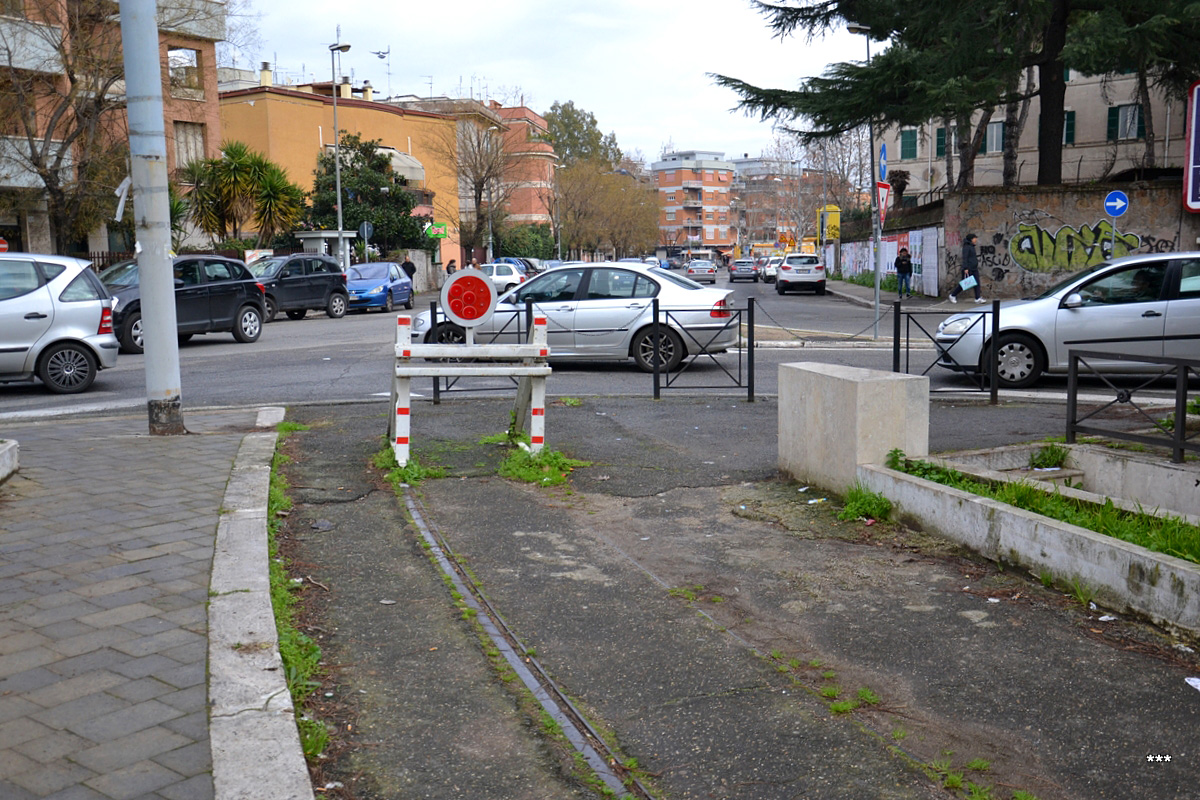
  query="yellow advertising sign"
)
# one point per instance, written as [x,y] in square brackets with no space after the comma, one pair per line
[832,217]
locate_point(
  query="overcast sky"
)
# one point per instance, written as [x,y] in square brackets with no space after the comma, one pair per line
[640,66]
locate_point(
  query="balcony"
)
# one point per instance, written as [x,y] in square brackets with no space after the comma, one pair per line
[693,202]
[693,184]
[30,45]
[14,155]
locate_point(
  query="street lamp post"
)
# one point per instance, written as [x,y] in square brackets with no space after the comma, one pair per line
[337,152]
[876,230]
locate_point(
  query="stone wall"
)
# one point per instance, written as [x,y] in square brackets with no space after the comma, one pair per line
[1031,237]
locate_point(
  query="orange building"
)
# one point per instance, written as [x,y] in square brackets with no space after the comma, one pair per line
[291,125]
[530,188]
[694,194]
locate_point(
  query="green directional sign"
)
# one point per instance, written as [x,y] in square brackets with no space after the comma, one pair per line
[436,230]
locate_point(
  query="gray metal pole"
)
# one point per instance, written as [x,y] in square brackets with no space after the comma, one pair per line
[337,153]
[876,228]
[148,157]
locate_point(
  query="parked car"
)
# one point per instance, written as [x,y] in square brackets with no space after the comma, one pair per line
[504,275]
[700,270]
[212,294]
[295,284]
[743,268]
[770,268]
[800,271]
[378,284]
[55,322]
[1140,305]
[603,311]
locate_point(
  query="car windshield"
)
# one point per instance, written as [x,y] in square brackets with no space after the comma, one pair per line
[798,260]
[123,274]
[265,267]
[1071,279]
[701,264]
[376,271]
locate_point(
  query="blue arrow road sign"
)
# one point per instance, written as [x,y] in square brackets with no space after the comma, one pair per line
[883,162]
[1116,203]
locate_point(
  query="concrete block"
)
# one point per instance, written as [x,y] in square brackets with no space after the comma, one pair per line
[833,418]
[10,461]
[258,749]
[1125,577]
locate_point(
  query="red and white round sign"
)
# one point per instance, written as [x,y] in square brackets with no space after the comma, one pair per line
[468,298]
[3,245]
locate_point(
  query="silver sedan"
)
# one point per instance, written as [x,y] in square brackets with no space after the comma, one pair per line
[1145,305]
[604,312]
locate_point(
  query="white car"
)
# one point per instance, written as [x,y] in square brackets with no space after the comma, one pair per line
[56,322]
[504,276]
[1141,305]
[770,270]
[603,312]
[800,271]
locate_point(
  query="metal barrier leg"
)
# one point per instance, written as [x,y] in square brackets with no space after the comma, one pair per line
[537,415]
[401,419]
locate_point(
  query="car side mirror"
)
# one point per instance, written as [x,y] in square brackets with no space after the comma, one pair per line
[1073,300]
[287,273]
[178,282]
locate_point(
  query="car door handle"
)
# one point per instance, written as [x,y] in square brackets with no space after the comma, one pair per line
[1152,314]
[35,315]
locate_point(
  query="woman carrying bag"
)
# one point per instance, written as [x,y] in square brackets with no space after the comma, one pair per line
[970,270]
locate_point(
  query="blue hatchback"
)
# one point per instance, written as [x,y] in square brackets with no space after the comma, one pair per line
[378,284]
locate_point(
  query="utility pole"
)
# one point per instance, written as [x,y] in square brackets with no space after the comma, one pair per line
[148,157]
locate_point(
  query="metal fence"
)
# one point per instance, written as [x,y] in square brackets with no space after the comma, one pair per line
[905,322]
[1177,438]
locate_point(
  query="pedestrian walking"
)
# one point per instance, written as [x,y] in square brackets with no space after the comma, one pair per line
[970,270]
[452,267]
[410,269]
[903,273]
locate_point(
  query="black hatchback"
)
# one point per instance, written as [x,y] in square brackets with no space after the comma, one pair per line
[297,283]
[212,294]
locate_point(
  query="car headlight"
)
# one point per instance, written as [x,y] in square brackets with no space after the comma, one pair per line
[955,327]
[376,290]
[421,322]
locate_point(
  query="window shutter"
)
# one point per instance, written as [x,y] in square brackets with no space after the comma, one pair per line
[1114,122]
[940,137]
[1069,128]
[1141,126]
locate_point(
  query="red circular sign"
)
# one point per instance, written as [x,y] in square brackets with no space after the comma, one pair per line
[3,245]
[468,298]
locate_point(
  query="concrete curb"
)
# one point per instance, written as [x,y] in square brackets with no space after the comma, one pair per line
[252,728]
[10,458]
[1125,576]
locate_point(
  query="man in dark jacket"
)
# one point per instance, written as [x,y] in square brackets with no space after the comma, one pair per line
[970,269]
[410,269]
[904,273]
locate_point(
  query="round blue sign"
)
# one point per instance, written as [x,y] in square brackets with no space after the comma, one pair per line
[1116,203]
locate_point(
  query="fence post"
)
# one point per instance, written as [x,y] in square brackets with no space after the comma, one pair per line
[750,350]
[896,336]
[994,361]
[654,359]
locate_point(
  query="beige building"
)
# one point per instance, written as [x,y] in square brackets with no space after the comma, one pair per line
[1104,134]
[291,125]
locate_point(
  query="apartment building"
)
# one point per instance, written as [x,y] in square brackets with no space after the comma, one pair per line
[1104,134]
[695,194]
[530,189]
[293,124]
[63,63]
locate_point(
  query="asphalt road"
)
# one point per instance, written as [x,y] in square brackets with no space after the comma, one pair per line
[318,359]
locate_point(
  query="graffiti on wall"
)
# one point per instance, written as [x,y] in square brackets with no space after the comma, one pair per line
[1039,249]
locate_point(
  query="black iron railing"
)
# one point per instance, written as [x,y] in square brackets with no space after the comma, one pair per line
[1180,369]
[905,322]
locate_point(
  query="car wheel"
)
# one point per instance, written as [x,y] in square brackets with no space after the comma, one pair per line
[670,350]
[131,337]
[756,279]
[448,333]
[297,313]
[820,288]
[507,288]
[270,309]
[336,307]
[779,288]
[67,368]
[388,304]
[249,325]
[409,302]
[1021,361]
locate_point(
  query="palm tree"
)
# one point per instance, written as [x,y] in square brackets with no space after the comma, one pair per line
[240,186]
